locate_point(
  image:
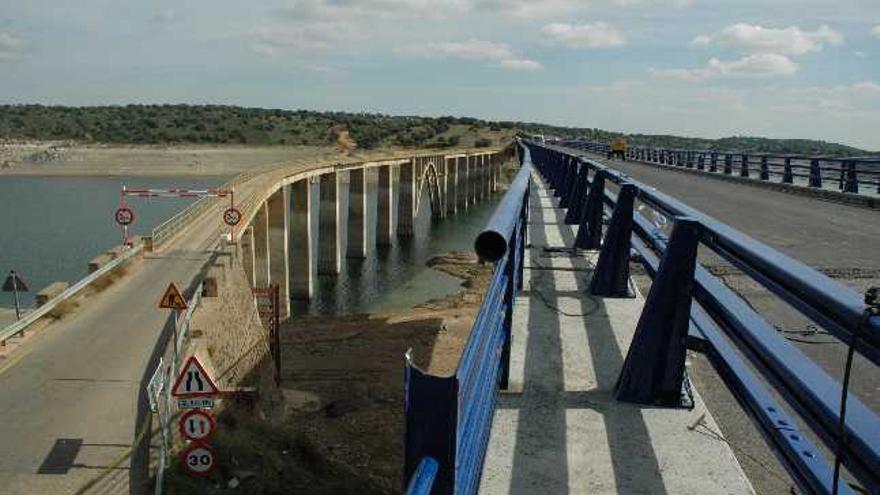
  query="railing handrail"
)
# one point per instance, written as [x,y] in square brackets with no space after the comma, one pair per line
[718,311]
[71,291]
[768,154]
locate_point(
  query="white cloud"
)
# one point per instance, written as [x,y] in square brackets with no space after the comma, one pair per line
[757,65]
[590,35]
[304,37]
[11,47]
[876,31]
[500,53]
[547,8]
[758,39]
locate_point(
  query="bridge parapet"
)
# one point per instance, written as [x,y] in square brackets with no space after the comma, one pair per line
[857,178]
[728,329]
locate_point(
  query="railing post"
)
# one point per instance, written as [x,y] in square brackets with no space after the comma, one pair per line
[852,178]
[713,166]
[589,234]
[744,166]
[690,159]
[701,162]
[765,168]
[570,183]
[430,407]
[787,174]
[576,204]
[728,164]
[611,277]
[653,372]
[815,173]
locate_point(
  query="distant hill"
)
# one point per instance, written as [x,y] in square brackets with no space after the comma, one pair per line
[219,124]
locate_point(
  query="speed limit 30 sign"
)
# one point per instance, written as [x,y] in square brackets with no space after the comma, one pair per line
[198,459]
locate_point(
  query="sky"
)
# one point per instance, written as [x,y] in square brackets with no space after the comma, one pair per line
[704,68]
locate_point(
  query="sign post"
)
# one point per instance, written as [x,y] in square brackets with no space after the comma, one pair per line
[194,390]
[14,283]
[172,299]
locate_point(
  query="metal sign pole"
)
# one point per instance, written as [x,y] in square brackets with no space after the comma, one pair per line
[15,295]
[174,314]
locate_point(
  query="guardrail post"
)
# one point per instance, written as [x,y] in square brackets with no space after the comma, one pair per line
[589,235]
[744,166]
[570,183]
[713,166]
[787,175]
[431,418]
[765,169]
[690,159]
[728,164]
[815,174]
[653,372]
[611,277]
[576,204]
[701,162]
[852,178]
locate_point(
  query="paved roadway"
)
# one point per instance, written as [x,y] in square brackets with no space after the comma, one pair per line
[75,388]
[841,240]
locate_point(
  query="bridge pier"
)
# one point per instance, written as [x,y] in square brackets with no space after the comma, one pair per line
[262,275]
[406,203]
[300,239]
[329,226]
[247,254]
[385,214]
[451,180]
[357,209]
[462,186]
[473,175]
[279,252]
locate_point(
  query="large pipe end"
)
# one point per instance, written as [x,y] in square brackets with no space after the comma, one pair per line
[490,246]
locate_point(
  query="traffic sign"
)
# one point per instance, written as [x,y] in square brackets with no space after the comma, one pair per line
[196,425]
[14,283]
[124,216]
[198,459]
[193,381]
[172,298]
[195,403]
[231,217]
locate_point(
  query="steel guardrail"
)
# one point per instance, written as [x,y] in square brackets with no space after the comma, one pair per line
[733,331]
[448,419]
[71,291]
[853,175]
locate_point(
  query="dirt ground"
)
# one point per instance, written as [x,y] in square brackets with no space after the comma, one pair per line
[74,159]
[339,429]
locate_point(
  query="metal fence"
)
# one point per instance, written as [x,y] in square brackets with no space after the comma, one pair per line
[448,419]
[856,175]
[687,304]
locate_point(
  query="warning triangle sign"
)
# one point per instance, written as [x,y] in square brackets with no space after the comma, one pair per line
[193,380]
[172,299]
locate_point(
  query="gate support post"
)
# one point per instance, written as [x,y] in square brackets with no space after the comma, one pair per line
[611,277]
[653,372]
[589,234]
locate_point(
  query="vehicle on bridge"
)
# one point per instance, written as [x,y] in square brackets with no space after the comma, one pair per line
[618,149]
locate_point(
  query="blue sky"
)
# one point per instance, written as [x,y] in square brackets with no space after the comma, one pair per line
[709,68]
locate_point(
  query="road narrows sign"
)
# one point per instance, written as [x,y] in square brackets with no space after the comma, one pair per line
[193,381]
[231,217]
[124,216]
[198,459]
[196,425]
[172,298]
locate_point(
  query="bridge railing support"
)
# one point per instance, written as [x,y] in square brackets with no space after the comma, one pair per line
[731,331]
[448,419]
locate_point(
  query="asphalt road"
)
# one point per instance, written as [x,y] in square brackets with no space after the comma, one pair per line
[72,402]
[841,240]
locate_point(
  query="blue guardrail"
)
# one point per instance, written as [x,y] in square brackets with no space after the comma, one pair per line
[448,419]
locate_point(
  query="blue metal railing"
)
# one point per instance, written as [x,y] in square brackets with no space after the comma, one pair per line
[448,419]
[724,325]
[856,174]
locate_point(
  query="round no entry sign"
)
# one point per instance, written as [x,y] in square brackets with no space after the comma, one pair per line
[124,216]
[196,425]
[198,459]
[231,217]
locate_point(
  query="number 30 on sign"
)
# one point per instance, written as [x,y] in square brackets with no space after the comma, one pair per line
[198,459]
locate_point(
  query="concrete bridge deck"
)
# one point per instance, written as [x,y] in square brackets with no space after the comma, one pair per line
[559,428]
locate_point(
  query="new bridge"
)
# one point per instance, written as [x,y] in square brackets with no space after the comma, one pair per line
[574,378]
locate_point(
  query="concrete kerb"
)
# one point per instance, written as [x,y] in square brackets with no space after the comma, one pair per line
[560,430]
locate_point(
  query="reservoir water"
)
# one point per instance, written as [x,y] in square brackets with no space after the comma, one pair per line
[52,226]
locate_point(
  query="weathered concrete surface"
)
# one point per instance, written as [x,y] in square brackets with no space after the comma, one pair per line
[559,429]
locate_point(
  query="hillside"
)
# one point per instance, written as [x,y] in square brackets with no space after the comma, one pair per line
[216,124]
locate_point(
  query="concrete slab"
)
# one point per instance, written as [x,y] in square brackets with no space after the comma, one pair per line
[559,429]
